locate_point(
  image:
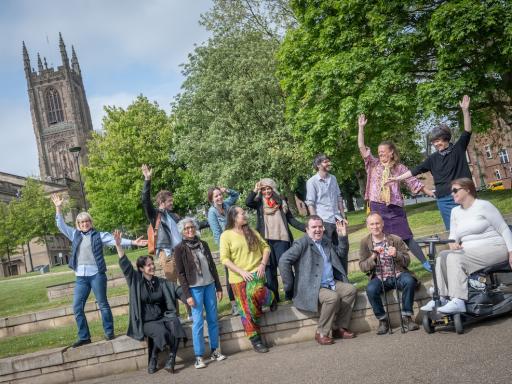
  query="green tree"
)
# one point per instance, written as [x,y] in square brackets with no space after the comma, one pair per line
[141,134]
[7,240]
[230,116]
[32,215]
[400,62]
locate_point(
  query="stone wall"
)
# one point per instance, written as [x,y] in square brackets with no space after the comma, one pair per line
[286,325]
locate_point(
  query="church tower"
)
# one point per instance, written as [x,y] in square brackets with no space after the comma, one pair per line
[60,114]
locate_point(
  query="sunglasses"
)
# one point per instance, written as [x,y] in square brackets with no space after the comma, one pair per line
[455,190]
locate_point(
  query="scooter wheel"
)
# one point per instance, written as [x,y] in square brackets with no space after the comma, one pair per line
[427,324]
[457,321]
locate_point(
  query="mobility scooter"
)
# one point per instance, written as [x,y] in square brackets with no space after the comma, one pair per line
[487,296]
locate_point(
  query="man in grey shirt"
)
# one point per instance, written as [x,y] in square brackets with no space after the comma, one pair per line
[323,198]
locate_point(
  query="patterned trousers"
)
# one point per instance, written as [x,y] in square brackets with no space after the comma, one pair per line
[250,296]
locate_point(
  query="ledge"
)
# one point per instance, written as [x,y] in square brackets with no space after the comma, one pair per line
[284,326]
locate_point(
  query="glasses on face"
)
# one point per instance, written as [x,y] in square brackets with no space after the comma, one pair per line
[189,228]
[455,190]
[84,221]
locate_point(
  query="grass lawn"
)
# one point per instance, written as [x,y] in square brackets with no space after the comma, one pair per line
[65,336]
[27,293]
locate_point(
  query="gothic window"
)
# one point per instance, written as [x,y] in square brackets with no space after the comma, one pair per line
[54,107]
[488,151]
[503,154]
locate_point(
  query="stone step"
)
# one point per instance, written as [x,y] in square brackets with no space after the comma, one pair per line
[284,326]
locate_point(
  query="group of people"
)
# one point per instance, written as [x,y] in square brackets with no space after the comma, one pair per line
[313,269]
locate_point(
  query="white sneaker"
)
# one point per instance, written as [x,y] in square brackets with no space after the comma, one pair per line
[217,356]
[199,363]
[454,306]
[431,304]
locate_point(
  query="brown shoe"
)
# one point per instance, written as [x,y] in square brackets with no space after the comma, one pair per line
[342,333]
[323,339]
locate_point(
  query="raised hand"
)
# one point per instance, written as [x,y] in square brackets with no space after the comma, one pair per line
[146,171]
[257,187]
[361,121]
[341,228]
[117,237]
[464,103]
[57,200]
[223,190]
[140,242]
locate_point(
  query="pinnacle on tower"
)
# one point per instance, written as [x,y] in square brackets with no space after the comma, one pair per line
[63,53]
[39,63]
[26,59]
[74,61]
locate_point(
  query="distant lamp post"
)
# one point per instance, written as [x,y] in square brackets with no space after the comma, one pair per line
[76,153]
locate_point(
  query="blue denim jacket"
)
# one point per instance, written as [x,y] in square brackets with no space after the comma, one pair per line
[216,220]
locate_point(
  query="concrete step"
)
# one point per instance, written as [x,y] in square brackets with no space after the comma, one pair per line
[284,326]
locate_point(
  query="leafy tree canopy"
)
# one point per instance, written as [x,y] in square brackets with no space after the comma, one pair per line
[230,115]
[400,62]
[141,134]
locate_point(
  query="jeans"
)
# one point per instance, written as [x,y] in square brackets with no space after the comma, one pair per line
[83,286]
[406,283]
[445,205]
[204,296]
[277,248]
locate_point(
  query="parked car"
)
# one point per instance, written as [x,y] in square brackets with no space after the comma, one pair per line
[495,186]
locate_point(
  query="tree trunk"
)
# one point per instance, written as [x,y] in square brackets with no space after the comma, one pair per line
[30,257]
[24,258]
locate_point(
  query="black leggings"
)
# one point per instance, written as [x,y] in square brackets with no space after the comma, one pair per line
[228,286]
[415,249]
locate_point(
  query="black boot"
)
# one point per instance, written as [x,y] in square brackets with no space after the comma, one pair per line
[153,360]
[170,363]
[383,327]
[152,364]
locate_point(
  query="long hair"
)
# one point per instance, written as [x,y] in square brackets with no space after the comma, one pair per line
[249,234]
[210,193]
[395,158]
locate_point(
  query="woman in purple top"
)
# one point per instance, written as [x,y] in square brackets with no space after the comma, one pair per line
[385,198]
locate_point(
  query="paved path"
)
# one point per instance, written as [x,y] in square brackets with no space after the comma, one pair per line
[482,354]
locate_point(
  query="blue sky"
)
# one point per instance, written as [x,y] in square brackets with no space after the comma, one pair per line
[125,48]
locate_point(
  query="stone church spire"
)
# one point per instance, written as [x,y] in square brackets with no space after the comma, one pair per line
[63,53]
[26,65]
[74,61]
[39,63]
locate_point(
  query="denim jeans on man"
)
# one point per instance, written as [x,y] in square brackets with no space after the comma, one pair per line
[204,296]
[406,283]
[83,286]
[445,205]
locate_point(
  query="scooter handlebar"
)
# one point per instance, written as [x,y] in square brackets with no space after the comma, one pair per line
[434,240]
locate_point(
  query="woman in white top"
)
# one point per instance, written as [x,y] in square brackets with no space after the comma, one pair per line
[482,238]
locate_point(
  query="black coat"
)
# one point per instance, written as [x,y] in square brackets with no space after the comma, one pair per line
[135,280]
[255,201]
